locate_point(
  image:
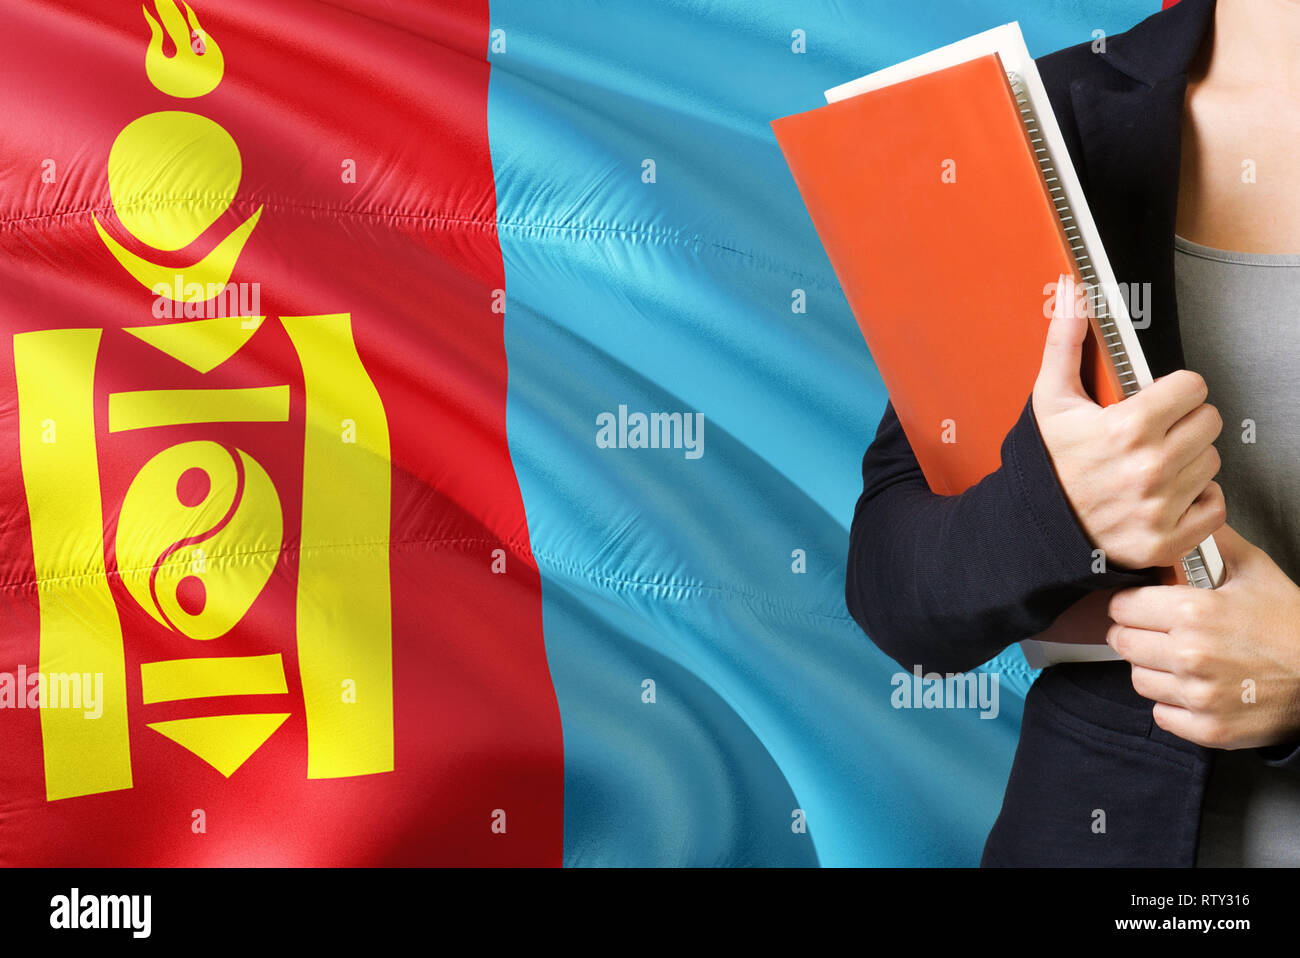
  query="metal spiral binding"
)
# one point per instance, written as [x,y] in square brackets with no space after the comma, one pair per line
[1193,562]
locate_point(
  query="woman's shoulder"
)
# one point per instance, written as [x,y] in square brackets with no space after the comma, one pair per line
[1081,62]
[1152,50]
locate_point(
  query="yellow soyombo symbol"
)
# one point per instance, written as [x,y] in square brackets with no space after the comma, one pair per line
[197,65]
[189,501]
[144,168]
[172,174]
[201,344]
[80,630]
[197,496]
[200,527]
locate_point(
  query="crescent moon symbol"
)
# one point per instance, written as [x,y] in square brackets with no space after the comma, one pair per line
[212,270]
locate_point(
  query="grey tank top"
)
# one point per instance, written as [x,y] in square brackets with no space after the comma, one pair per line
[1239,319]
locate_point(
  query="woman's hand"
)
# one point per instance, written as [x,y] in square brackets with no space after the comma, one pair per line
[1138,473]
[1222,665]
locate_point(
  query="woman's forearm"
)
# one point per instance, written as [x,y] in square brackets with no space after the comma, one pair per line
[947,582]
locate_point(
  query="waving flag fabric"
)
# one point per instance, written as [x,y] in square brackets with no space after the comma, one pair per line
[274,536]
[326,534]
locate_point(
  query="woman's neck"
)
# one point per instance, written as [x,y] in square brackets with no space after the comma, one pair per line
[1238,188]
[1255,43]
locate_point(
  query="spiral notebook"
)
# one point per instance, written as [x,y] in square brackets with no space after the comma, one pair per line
[944,195]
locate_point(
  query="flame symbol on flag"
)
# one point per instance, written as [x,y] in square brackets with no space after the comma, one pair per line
[172,173]
[197,66]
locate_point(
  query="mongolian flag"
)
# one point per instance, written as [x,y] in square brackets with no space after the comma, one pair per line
[429,434]
[264,558]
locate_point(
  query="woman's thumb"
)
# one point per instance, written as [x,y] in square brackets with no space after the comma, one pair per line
[1059,374]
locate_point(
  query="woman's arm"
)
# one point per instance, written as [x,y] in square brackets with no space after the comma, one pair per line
[947,582]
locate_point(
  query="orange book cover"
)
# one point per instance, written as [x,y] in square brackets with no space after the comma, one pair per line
[929,201]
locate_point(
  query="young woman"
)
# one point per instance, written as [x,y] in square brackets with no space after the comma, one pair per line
[1183,131]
